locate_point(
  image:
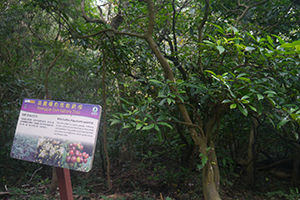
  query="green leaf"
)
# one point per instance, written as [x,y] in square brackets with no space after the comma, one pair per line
[159,136]
[244,79]
[200,167]
[253,108]
[249,49]
[283,122]
[271,101]
[148,127]
[149,116]
[226,101]
[245,97]
[209,43]
[162,93]
[156,81]
[296,42]
[260,40]
[204,160]
[287,45]
[165,124]
[180,97]
[162,117]
[127,126]
[124,100]
[115,121]
[240,75]
[225,74]
[243,110]
[259,108]
[270,93]
[162,102]
[233,106]
[260,97]
[294,116]
[144,108]
[115,116]
[244,101]
[211,72]
[138,126]
[270,40]
[235,30]
[249,34]
[281,41]
[217,26]
[170,100]
[221,49]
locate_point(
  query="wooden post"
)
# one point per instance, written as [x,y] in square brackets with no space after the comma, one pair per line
[64,183]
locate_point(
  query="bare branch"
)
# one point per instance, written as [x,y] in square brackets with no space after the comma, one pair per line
[101,21]
[34,174]
[247,8]
[68,26]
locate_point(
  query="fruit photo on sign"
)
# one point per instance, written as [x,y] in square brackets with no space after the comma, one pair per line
[76,156]
[49,151]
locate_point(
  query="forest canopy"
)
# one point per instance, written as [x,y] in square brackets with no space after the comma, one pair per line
[200,98]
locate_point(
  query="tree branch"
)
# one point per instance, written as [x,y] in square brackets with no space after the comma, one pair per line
[175,59]
[247,8]
[200,28]
[151,18]
[101,21]
[115,32]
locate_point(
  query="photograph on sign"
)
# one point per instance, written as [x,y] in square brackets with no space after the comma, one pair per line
[56,133]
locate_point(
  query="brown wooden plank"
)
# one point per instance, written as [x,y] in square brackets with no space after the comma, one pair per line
[64,183]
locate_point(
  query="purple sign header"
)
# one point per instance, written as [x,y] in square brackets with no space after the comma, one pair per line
[61,108]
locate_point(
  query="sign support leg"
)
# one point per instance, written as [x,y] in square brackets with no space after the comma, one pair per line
[64,183]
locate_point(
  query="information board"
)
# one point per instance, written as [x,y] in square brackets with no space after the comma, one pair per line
[57,133]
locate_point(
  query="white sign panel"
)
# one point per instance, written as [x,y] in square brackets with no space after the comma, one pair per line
[56,133]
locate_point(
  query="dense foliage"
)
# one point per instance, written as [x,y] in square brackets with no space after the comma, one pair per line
[187,87]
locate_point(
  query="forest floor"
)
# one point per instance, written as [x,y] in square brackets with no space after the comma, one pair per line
[134,183]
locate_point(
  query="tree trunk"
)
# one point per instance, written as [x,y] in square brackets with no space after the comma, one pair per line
[209,139]
[211,176]
[210,189]
[211,173]
[252,149]
[211,170]
[109,183]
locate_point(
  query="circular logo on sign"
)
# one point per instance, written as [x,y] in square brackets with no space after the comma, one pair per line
[95,109]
